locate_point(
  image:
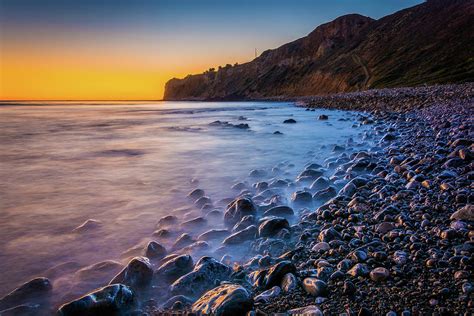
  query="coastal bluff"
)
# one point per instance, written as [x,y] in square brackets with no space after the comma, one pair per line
[430,43]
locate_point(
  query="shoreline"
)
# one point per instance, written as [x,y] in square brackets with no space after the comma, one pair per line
[382,242]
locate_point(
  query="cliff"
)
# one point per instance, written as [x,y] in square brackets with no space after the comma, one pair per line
[426,44]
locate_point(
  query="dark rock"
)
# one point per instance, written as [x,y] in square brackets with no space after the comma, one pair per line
[236,210]
[227,299]
[196,194]
[323,117]
[35,290]
[213,234]
[276,273]
[315,287]
[270,226]
[154,250]
[301,197]
[175,268]
[110,300]
[289,121]
[137,274]
[284,211]
[241,236]
[207,274]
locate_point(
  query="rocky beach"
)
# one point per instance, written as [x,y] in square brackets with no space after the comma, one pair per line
[384,228]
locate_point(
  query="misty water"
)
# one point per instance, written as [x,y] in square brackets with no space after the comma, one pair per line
[126,165]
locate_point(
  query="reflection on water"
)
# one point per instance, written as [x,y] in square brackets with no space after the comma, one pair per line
[125,166]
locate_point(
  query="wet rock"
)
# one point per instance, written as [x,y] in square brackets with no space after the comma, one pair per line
[276,273]
[329,234]
[323,117]
[182,241]
[23,310]
[315,287]
[167,220]
[110,300]
[227,299]
[268,295]
[321,246]
[284,211]
[270,226]
[87,226]
[137,274]
[289,121]
[379,274]
[213,234]
[203,200]
[359,269]
[207,274]
[194,223]
[465,213]
[400,257]
[288,282]
[388,137]
[311,310]
[196,194]
[320,183]
[33,291]
[183,300]
[384,227]
[245,222]
[301,197]
[154,250]
[174,268]
[241,236]
[236,210]
[325,194]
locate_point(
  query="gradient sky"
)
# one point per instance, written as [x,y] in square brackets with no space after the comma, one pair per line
[128,49]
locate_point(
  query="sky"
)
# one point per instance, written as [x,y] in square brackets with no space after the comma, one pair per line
[128,49]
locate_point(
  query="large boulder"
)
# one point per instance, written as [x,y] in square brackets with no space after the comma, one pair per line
[35,290]
[227,299]
[237,209]
[275,274]
[465,213]
[270,226]
[113,299]
[207,273]
[241,236]
[137,274]
[174,268]
[283,211]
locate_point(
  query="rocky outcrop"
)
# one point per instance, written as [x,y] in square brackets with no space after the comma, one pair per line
[426,44]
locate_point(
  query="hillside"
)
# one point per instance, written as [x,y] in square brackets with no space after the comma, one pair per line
[426,44]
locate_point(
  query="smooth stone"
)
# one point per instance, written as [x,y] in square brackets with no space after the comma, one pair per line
[270,226]
[284,211]
[203,200]
[359,269]
[32,291]
[320,183]
[379,274]
[182,241]
[465,213]
[323,117]
[315,286]
[321,246]
[276,273]
[167,220]
[384,227]
[288,282]
[227,299]
[267,295]
[213,234]
[236,210]
[301,197]
[289,121]
[154,250]
[329,234]
[175,268]
[196,194]
[88,225]
[137,274]
[110,300]
[194,223]
[207,273]
[245,222]
[186,301]
[241,236]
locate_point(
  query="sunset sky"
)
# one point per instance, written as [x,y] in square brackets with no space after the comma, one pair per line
[128,49]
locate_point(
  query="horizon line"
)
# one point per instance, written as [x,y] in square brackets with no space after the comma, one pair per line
[80,100]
